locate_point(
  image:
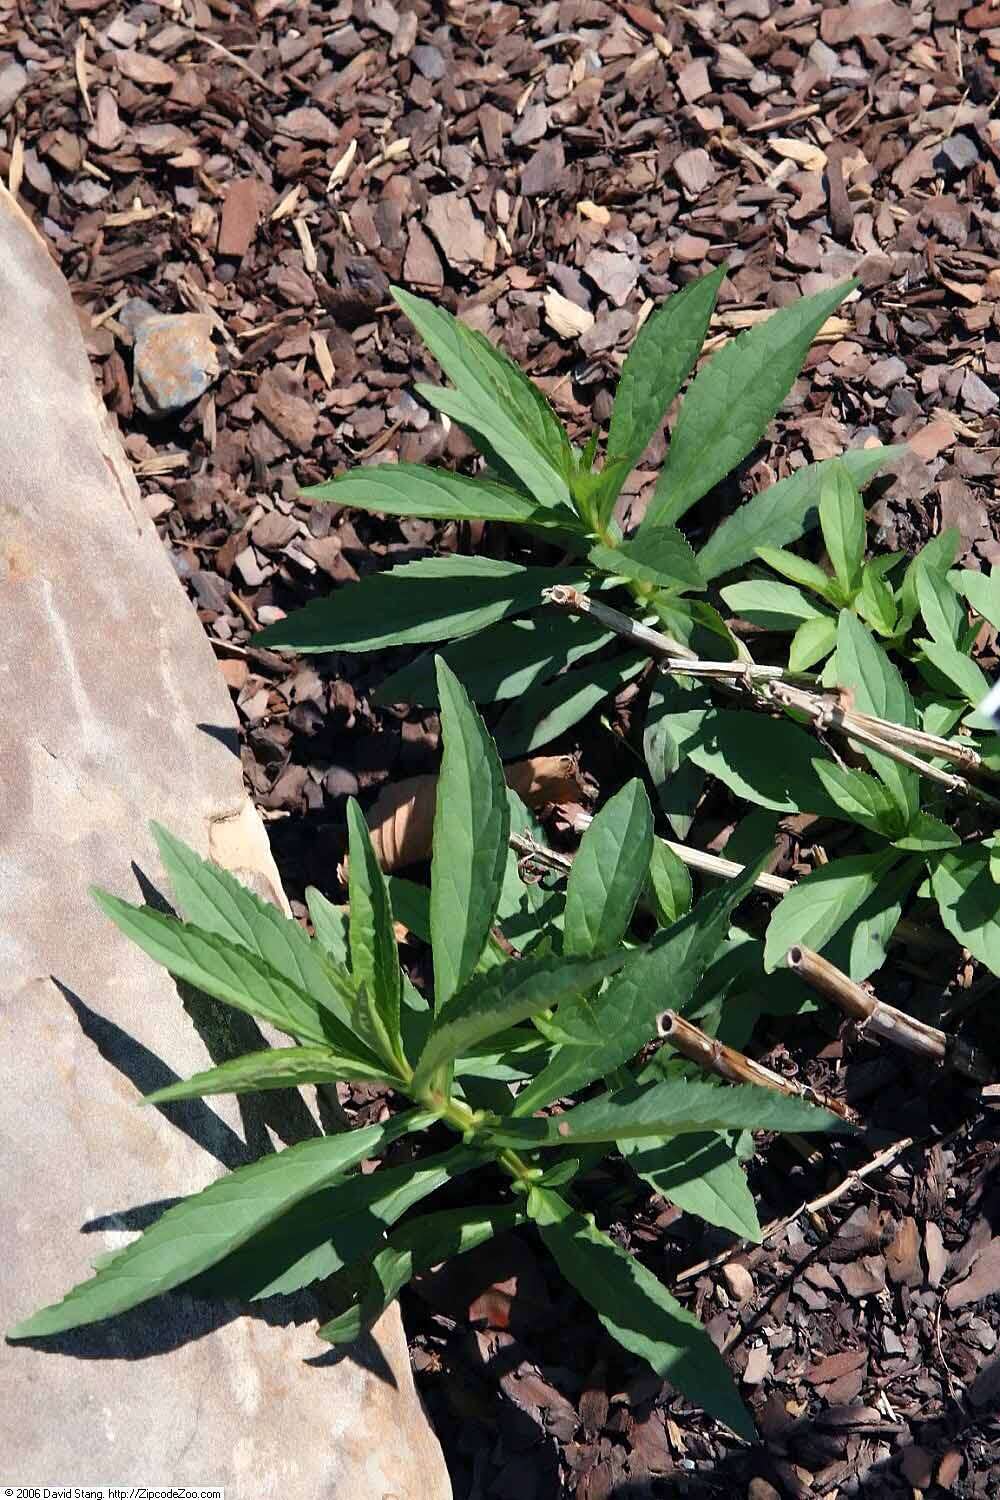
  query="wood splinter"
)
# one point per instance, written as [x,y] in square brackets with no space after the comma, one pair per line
[875,1017]
[725,1062]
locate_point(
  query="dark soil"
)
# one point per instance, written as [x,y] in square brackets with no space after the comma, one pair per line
[541,168]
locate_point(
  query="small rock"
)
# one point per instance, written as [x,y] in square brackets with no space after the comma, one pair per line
[457,230]
[886,372]
[13,82]
[544,171]
[175,362]
[690,247]
[609,329]
[615,274]
[274,531]
[532,125]
[422,266]
[977,396]
[429,62]
[957,154]
[135,312]
[738,1281]
[308,124]
[695,171]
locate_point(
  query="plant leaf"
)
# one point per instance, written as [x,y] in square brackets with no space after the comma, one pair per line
[677,780]
[637,1310]
[662,556]
[863,668]
[216,902]
[943,613]
[790,565]
[658,363]
[876,600]
[549,709]
[669,889]
[733,398]
[608,874]
[925,834]
[818,906]
[471,829]
[768,762]
[233,974]
[275,1068]
[624,1015]
[200,1230]
[981,590]
[331,924]
[416,1247]
[959,671]
[860,798]
[967,900]
[497,399]
[502,662]
[813,640]
[702,1175]
[842,522]
[643,1111]
[374,958]
[338,1226]
[783,512]
[434,599]
[418,490]
[775,606]
[502,998]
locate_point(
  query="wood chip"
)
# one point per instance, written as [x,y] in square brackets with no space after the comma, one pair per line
[567,319]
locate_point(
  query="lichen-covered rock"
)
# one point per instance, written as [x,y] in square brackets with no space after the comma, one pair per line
[175,362]
[115,713]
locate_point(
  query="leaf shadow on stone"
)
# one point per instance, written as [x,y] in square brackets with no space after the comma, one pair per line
[364,1352]
[227,735]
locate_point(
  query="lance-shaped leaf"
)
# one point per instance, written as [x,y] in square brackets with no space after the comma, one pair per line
[549,709]
[701,1174]
[503,445]
[669,892]
[200,1230]
[658,363]
[768,762]
[863,668]
[981,590]
[471,829]
[339,1226]
[960,673]
[434,599]
[623,1017]
[678,781]
[418,490]
[842,521]
[374,957]
[496,399]
[643,1111]
[416,1247]
[790,565]
[331,924]
[860,798]
[501,663]
[966,895]
[233,974]
[215,901]
[608,874]
[817,907]
[813,640]
[783,512]
[662,556]
[503,997]
[276,1068]
[732,399]
[774,606]
[637,1310]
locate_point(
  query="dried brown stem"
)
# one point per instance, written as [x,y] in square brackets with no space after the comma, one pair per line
[725,1062]
[875,1018]
[776,1226]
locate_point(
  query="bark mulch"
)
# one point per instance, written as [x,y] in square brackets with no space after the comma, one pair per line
[552,170]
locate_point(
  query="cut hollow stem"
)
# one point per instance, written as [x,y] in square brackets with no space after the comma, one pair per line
[876,1018]
[725,1062]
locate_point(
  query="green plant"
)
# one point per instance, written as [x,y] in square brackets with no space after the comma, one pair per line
[537,480]
[545,671]
[565,1019]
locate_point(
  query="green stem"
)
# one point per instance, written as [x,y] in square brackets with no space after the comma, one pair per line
[469,1125]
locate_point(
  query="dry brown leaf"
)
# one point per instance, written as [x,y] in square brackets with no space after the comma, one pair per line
[402,816]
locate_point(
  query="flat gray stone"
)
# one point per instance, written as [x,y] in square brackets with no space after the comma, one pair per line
[114,713]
